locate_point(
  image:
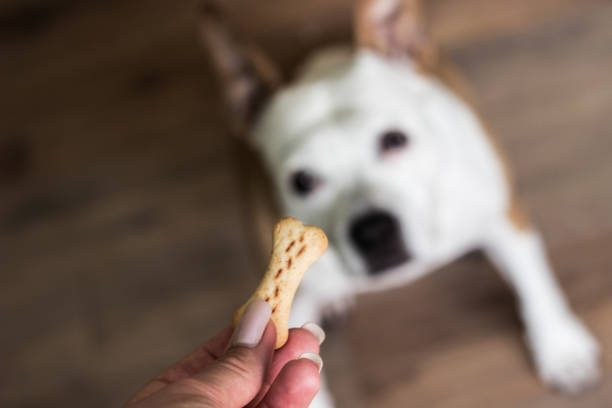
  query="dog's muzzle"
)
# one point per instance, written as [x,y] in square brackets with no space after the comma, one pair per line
[377,237]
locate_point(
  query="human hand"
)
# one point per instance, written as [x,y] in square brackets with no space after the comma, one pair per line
[242,370]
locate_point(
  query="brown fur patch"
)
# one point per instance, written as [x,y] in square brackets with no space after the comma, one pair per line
[518,216]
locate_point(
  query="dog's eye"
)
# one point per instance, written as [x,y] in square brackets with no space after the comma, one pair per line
[393,140]
[304,182]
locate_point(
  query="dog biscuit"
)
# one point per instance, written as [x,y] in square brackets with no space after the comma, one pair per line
[295,247]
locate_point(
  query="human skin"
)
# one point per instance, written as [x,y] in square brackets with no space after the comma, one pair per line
[228,371]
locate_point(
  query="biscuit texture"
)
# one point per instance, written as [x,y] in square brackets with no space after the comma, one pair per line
[295,247]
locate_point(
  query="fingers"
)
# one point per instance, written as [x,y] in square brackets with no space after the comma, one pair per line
[194,362]
[235,378]
[302,340]
[247,371]
[295,386]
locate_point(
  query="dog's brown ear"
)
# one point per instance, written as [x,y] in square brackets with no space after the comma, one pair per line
[396,29]
[248,78]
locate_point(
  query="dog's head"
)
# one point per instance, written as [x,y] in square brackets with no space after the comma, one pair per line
[356,144]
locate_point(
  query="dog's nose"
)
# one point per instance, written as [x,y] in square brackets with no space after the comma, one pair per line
[371,230]
[378,238]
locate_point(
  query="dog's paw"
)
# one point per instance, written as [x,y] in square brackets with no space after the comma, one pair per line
[566,355]
[338,307]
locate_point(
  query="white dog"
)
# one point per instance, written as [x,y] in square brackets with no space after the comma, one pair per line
[373,146]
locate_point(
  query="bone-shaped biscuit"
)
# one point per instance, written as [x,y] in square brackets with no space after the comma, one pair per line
[295,247]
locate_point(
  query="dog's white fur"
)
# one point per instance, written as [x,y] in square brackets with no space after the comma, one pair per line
[447,188]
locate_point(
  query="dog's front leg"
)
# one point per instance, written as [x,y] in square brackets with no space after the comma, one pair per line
[325,290]
[307,308]
[564,352]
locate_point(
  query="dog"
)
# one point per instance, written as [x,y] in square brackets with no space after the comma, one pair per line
[380,147]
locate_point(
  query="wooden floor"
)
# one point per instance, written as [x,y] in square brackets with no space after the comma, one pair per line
[122,230]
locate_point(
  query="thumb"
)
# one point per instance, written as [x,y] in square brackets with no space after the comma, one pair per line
[235,379]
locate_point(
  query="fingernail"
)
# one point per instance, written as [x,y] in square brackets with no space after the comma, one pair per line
[314,357]
[315,330]
[252,325]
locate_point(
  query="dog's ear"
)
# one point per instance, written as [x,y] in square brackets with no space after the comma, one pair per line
[248,78]
[396,29]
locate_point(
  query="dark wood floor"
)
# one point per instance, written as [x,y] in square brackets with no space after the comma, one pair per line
[122,232]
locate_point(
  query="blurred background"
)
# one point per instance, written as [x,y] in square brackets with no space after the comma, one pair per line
[123,234]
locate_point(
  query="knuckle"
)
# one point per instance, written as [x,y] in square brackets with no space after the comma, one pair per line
[190,392]
[238,362]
